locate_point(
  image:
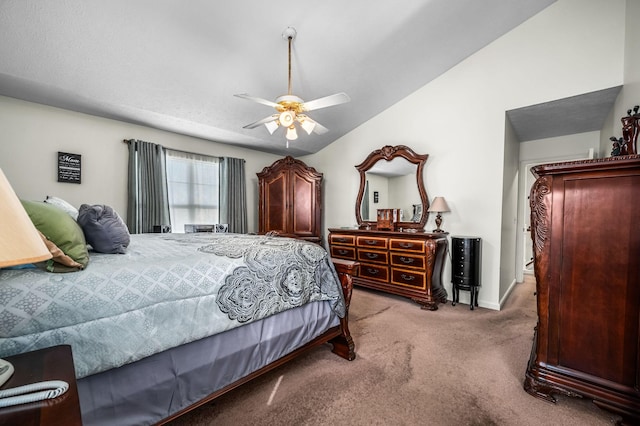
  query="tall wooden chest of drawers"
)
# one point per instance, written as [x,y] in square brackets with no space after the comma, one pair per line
[585,218]
[402,263]
[465,267]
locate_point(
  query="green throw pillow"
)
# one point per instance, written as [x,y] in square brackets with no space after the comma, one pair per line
[60,228]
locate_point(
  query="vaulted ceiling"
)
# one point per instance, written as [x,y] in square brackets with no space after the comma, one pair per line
[175,65]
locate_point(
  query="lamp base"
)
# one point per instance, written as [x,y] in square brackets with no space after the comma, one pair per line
[438,223]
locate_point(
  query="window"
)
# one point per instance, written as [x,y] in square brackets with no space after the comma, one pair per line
[192,184]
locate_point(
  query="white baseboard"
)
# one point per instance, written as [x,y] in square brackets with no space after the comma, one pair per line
[506,295]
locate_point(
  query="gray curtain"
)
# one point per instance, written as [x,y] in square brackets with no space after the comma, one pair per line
[233,194]
[148,204]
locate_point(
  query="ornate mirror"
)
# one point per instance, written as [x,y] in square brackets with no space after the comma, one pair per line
[391,177]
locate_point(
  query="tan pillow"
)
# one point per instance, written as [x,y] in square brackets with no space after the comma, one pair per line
[60,262]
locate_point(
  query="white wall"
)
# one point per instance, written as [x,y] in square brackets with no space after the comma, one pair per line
[569,146]
[32,134]
[630,93]
[570,48]
[508,237]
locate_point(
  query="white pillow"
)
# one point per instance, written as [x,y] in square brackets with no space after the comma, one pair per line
[62,204]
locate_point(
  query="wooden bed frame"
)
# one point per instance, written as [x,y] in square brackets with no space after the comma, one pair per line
[339,336]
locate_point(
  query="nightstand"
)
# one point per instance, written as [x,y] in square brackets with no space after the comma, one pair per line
[55,363]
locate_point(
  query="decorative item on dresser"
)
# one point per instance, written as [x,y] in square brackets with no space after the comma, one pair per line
[466,255]
[628,143]
[387,219]
[290,201]
[585,217]
[402,263]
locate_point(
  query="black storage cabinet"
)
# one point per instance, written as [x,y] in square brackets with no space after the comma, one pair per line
[465,270]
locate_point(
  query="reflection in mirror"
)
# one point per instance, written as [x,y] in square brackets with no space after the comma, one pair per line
[395,183]
[392,178]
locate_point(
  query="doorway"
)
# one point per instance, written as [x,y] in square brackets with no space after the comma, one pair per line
[524,244]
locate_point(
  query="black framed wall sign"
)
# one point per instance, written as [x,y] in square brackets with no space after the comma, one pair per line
[69,167]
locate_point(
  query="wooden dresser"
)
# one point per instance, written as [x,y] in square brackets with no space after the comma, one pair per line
[290,200]
[403,263]
[585,219]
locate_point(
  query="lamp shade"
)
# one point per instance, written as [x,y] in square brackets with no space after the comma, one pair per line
[439,205]
[20,242]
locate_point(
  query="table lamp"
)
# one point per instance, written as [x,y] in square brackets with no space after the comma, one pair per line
[438,206]
[20,242]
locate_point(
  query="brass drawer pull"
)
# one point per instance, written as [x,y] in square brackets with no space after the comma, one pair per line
[372,255]
[370,242]
[373,271]
[407,260]
[407,277]
[343,251]
[406,245]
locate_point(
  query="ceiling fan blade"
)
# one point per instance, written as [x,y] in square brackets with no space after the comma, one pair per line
[258,100]
[320,129]
[327,101]
[311,126]
[260,122]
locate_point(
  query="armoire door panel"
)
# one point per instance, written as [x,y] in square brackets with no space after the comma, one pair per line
[303,191]
[597,338]
[276,212]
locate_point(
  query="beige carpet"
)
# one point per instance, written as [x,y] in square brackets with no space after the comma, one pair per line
[413,367]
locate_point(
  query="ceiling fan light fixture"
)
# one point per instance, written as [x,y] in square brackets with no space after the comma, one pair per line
[292,135]
[272,126]
[307,124]
[287,118]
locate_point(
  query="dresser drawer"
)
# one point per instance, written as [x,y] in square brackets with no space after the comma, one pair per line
[373,256]
[407,260]
[377,242]
[408,278]
[374,272]
[343,252]
[413,246]
[342,239]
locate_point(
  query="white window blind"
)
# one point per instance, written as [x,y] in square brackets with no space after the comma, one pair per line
[192,183]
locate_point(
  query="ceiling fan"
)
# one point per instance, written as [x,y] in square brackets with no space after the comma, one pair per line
[291,109]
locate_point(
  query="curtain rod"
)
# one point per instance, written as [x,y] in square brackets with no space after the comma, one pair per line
[127,141]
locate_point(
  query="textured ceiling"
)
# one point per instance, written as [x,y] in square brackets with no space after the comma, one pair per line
[577,114]
[176,65]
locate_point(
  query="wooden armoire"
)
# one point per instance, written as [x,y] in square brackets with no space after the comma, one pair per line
[290,200]
[585,218]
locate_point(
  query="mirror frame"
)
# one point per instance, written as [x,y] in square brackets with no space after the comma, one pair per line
[388,153]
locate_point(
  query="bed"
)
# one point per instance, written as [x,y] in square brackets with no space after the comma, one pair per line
[178,319]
